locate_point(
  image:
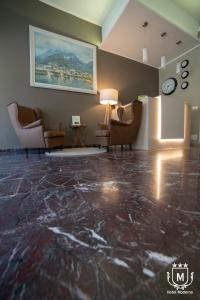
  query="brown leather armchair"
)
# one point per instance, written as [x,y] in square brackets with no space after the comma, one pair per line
[29,127]
[121,131]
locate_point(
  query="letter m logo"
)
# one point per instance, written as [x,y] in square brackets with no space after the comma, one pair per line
[180,277]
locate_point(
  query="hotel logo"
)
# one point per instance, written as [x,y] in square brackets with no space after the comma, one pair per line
[180,278]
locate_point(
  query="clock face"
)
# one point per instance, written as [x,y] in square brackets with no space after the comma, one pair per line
[185,63]
[169,86]
[184,74]
[184,85]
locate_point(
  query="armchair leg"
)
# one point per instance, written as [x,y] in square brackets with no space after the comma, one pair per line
[122,148]
[99,146]
[130,147]
[108,149]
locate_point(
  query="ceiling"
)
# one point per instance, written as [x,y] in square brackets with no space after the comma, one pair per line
[192,7]
[94,11]
[127,37]
[121,22]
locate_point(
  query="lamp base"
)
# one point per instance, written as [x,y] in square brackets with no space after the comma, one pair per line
[107,114]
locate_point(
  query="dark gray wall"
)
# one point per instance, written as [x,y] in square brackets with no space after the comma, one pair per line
[50,18]
[129,77]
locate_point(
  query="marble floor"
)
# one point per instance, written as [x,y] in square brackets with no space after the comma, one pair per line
[99,227]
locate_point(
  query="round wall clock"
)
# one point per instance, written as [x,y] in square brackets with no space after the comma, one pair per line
[184,74]
[169,86]
[184,85]
[184,63]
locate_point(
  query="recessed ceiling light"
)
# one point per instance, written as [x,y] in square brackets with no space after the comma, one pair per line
[145,24]
[163,34]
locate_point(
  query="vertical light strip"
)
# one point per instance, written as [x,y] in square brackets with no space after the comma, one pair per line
[159,117]
[159,124]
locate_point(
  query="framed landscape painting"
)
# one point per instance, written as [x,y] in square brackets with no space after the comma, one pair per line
[59,62]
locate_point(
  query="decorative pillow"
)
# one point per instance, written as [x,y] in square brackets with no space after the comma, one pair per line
[114,113]
[127,112]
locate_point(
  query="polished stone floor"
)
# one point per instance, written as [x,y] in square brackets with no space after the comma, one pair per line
[99,227]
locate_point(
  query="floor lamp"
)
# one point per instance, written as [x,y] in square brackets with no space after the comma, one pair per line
[108,97]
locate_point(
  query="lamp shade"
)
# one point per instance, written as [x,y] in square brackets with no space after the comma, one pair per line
[109,96]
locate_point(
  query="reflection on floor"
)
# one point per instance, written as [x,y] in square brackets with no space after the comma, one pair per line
[98,227]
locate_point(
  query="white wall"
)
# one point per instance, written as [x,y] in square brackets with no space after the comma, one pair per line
[192,93]
[150,135]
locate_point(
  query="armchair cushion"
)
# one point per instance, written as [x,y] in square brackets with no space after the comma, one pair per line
[119,123]
[127,112]
[53,134]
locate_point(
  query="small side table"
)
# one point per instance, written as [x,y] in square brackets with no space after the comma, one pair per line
[78,136]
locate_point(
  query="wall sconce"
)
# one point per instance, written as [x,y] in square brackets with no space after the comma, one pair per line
[145,55]
[178,68]
[163,61]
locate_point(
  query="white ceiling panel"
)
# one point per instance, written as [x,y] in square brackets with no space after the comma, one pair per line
[127,37]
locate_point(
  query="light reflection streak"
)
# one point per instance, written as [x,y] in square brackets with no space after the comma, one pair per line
[163,156]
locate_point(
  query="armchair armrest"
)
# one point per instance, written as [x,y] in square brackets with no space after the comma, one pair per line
[34,124]
[120,123]
[102,126]
[33,137]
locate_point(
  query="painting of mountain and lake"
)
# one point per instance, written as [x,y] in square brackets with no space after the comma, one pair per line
[63,63]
